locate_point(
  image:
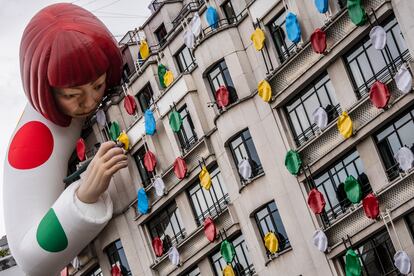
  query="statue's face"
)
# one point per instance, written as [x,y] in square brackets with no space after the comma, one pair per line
[81,101]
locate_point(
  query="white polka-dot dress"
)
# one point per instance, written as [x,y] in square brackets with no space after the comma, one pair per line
[46,224]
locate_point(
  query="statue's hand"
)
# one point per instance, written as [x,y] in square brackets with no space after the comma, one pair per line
[108,160]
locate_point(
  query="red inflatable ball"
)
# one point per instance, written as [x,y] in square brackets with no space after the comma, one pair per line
[318,41]
[150,161]
[316,201]
[210,229]
[116,271]
[222,96]
[379,94]
[371,206]
[130,105]
[157,246]
[80,149]
[180,168]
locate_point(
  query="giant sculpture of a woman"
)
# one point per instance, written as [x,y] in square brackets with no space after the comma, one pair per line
[68,62]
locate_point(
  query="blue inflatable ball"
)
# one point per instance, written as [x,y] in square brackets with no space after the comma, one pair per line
[322,5]
[212,17]
[293,27]
[150,126]
[142,200]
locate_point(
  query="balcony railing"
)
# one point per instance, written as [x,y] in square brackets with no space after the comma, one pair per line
[223,23]
[215,210]
[362,113]
[392,196]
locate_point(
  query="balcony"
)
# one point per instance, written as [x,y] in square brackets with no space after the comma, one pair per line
[298,66]
[396,194]
[222,24]
[195,246]
[362,114]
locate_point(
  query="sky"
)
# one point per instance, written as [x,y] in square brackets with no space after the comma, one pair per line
[119,16]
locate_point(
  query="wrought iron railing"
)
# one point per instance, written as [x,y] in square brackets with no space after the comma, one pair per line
[311,131]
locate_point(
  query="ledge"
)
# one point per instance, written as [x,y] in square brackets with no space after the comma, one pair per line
[251,180]
[275,256]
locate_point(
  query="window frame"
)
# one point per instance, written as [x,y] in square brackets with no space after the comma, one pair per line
[409,220]
[219,204]
[314,88]
[186,143]
[271,215]
[180,58]
[157,221]
[161,34]
[327,217]
[228,82]
[372,240]
[216,257]
[146,90]
[395,126]
[230,18]
[146,176]
[259,169]
[112,251]
[361,49]
[283,55]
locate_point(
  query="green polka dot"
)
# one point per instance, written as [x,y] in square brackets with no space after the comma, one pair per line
[50,234]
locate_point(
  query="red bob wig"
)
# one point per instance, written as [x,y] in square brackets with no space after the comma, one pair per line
[63,46]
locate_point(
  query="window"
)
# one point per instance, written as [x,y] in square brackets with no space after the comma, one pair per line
[365,63]
[242,147]
[277,28]
[219,75]
[319,93]
[342,3]
[193,272]
[331,184]
[139,160]
[186,135]
[229,12]
[126,72]
[96,271]
[145,98]
[185,60]
[212,202]
[268,220]
[242,264]
[116,255]
[410,222]
[161,34]
[376,256]
[392,137]
[168,226]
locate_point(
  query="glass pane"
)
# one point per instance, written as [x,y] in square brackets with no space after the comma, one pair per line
[407,134]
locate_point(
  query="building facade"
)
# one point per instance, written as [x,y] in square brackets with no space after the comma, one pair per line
[248,128]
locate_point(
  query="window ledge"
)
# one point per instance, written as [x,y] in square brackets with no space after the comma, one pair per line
[272,257]
[251,180]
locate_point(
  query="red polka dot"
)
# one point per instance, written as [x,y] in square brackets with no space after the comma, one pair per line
[31,146]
